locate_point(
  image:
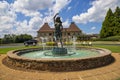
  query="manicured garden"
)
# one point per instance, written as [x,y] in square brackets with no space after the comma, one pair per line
[113,46]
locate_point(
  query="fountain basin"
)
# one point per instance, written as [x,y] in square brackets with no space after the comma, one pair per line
[14,60]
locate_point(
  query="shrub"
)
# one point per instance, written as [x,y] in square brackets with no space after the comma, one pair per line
[68,43]
[112,38]
[50,43]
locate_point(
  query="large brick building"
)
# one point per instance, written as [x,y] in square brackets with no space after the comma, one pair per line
[47,33]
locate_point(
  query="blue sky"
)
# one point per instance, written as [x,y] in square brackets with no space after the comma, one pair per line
[27,16]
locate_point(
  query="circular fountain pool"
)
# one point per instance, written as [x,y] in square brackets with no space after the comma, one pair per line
[71,54]
[36,59]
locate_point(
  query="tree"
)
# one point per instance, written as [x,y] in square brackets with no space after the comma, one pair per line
[22,38]
[111,24]
[117,12]
[0,40]
[12,38]
[106,25]
[116,21]
[7,39]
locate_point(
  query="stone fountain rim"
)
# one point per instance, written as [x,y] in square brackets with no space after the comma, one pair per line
[14,55]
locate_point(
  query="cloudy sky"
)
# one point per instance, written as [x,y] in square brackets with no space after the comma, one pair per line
[27,16]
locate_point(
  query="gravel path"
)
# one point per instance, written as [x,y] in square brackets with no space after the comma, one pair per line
[109,72]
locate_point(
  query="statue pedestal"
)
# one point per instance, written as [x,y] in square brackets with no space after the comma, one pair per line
[59,51]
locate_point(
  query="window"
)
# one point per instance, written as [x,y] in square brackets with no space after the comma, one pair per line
[50,34]
[69,34]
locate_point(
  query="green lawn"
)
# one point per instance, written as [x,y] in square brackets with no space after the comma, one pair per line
[113,48]
[5,50]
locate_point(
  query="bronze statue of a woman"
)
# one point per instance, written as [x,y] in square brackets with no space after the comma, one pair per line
[58,29]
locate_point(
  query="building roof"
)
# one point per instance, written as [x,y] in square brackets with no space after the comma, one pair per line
[45,28]
[72,28]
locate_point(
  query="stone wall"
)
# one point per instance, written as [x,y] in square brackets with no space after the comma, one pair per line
[57,65]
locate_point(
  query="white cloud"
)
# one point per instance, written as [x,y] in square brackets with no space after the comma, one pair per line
[4,6]
[24,28]
[7,18]
[59,5]
[35,23]
[31,8]
[28,27]
[66,24]
[97,12]
[93,28]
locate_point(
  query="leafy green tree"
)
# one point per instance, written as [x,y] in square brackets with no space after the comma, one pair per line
[22,38]
[116,22]
[7,39]
[117,12]
[12,38]
[111,24]
[106,25]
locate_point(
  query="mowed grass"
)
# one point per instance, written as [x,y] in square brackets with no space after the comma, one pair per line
[5,50]
[113,48]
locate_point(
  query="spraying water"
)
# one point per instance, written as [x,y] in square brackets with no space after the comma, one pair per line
[74,43]
[43,42]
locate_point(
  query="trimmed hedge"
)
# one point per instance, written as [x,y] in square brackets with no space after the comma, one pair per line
[68,43]
[53,43]
[112,38]
[50,43]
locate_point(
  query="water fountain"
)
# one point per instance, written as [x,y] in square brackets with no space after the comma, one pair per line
[44,60]
[74,42]
[43,40]
[58,58]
